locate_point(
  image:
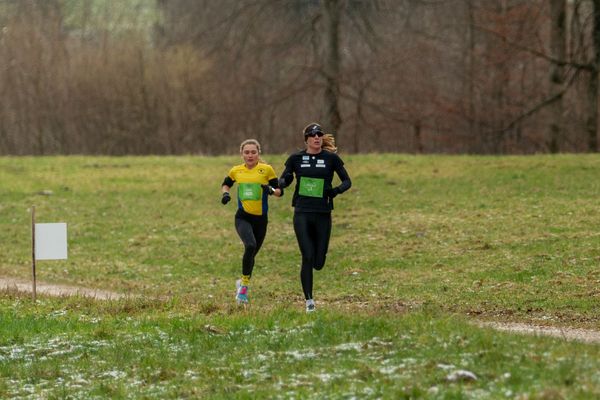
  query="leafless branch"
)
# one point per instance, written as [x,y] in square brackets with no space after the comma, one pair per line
[541,105]
[537,53]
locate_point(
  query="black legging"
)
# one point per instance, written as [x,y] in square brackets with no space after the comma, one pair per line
[312,231]
[252,230]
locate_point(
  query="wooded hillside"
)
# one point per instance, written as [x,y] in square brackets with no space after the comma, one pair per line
[198,76]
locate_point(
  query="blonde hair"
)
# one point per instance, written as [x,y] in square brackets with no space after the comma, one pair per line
[329,143]
[254,142]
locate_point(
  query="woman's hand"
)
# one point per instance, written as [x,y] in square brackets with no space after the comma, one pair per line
[226,198]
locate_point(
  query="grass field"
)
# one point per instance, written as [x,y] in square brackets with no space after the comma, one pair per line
[421,246]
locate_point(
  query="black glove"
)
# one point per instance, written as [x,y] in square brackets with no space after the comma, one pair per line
[331,193]
[269,189]
[226,197]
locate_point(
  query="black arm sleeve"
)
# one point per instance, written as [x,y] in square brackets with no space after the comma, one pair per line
[274,183]
[228,181]
[344,177]
[286,177]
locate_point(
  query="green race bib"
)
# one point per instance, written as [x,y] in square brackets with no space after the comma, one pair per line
[249,191]
[311,187]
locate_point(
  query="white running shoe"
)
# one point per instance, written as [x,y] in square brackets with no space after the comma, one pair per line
[241,292]
[310,305]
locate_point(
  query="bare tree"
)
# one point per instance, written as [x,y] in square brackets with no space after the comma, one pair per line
[593,93]
[558,51]
[384,75]
[332,60]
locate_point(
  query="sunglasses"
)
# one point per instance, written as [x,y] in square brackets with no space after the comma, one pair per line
[313,134]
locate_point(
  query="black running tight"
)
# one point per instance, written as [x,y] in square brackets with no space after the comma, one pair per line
[312,231]
[252,230]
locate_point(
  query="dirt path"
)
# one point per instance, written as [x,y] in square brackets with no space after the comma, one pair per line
[58,290]
[583,335]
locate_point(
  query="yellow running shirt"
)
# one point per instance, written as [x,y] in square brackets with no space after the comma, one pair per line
[251,198]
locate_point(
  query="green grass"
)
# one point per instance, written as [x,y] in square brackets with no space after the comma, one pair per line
[420,244]
[85,350]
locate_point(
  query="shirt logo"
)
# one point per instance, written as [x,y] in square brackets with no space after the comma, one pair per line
[305,157]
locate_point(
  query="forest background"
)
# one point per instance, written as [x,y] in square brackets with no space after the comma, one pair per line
[198,76]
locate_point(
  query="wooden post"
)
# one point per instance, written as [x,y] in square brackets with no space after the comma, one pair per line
[33,249]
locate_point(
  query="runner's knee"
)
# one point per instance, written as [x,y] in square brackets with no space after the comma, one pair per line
[250,247]
[319,263]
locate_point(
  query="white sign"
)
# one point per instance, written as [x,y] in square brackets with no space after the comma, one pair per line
[51,241]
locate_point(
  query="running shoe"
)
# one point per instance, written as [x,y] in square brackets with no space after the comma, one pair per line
[241,293]
[310,305]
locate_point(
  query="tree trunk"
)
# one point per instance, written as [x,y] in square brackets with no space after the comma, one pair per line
[418,138]
[470,48]
[592,120]
[592,123]
[558,52]
[331,14]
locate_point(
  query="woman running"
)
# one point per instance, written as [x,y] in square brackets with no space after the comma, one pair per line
[313,200]
[256,181]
